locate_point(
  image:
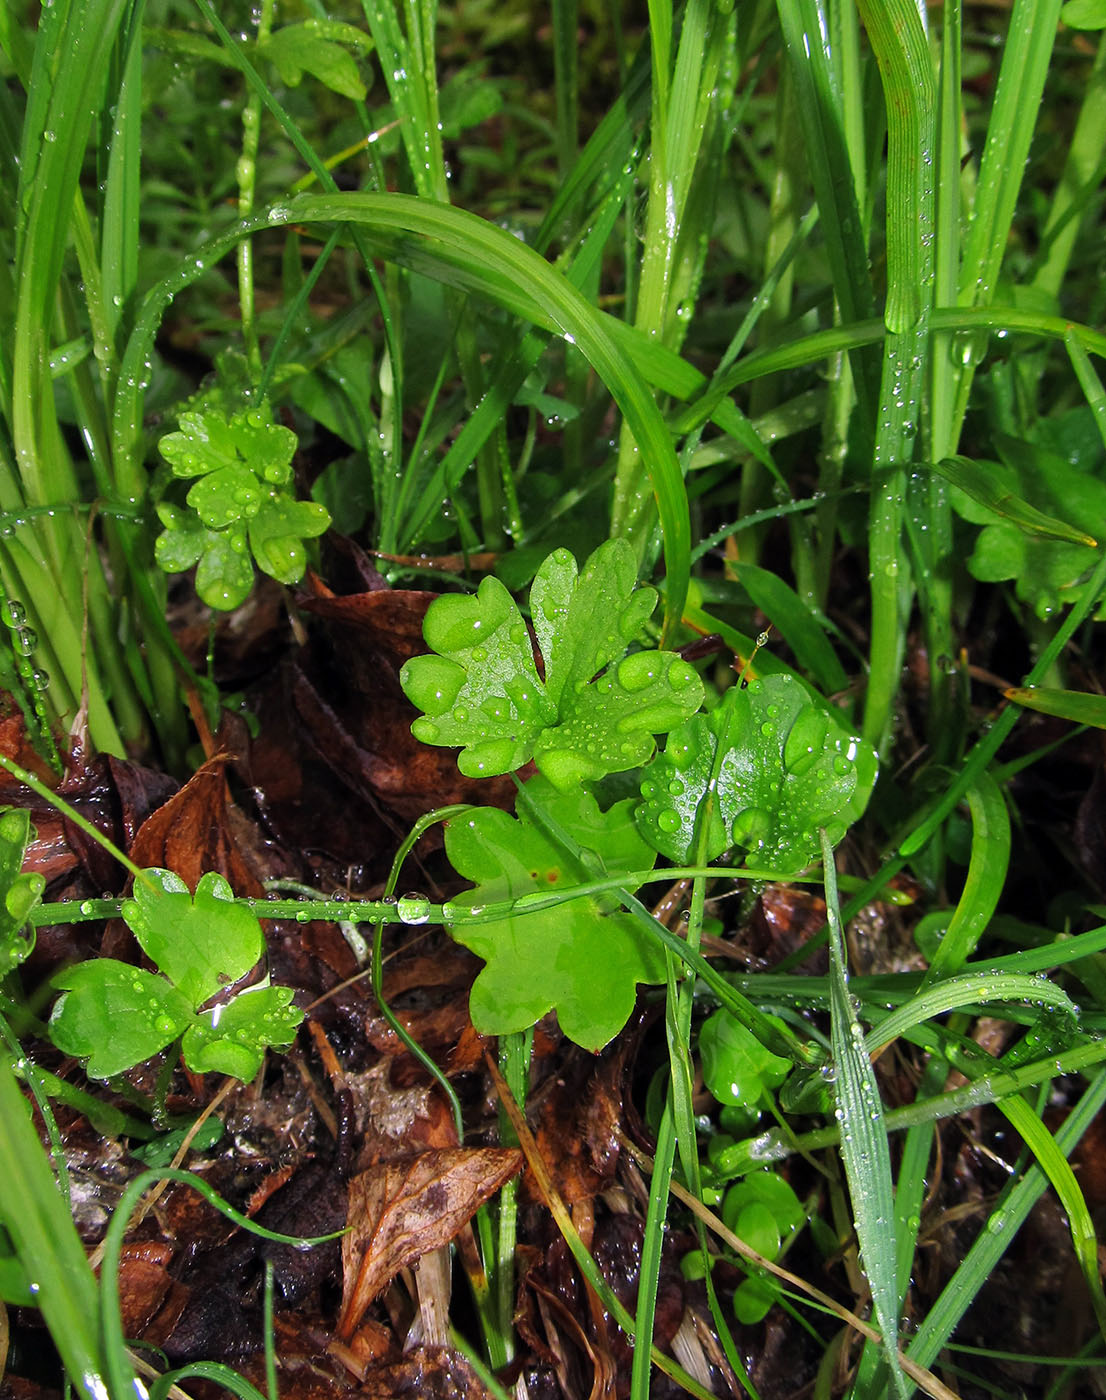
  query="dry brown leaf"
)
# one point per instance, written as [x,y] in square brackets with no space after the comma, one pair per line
[190,835]
[399,1211]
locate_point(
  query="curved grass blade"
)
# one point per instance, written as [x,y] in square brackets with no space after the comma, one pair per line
[1058,1170]
[460,248]
[987,869]
[969,989]
[1009,1215]
[37,1218]
[864,1147]
[989,486]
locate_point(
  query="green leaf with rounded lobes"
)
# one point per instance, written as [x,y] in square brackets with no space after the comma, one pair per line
[590,714]
[225,574]
[202,943]
[210,440]
[115,1015]
[232,1038]
[793,768]
[585,957]
[737,1069]
[225,496]
[277,532]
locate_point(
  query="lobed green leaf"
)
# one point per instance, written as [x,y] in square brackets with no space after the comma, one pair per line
[232,1038]
[793,768]
[583,959]
[589,716]
[116,1015]
[202,943]
[21,891]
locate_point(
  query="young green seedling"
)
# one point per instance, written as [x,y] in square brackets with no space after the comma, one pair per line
[238,507]
[117,1015]
[764,1211]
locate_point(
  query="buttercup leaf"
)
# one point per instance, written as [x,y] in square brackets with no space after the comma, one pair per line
[210,440]
[242,462]
[792,768]
[584,958]
[232,1039]
[591,715]
[277,532]
[224,496]
[115,1015]
[202,944]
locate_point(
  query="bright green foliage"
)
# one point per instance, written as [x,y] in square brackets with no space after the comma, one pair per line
[1059,479]
[21,891]
[792,768]
[583,958]
[296,49]
[594,714]
[737,1069]
[240,505]
[119,1015]
[762,1210]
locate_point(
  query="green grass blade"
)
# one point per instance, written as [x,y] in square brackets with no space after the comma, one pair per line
[38,1222]
[122,190]
[448,243]
[968,989]
[864,1147]
[989,487]
[805,34]
[987,870]
[1079,706]
[1056,1167]
[1079,182]
[797,624]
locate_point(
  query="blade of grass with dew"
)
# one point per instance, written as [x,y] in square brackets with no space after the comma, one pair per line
[586,1264]
[682,95]
[988,866]
[408,64]
[967,989]
[898,39]
[820,107]
[1089,381]
[987,870]
[990,488]
[1079,706]
[38,1221]
[980,757]
[122,189]
[1079,181]
[933,545]
[864,1146]
[1030,34]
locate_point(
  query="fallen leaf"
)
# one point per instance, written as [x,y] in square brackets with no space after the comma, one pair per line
[399,1211]
[190,835]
